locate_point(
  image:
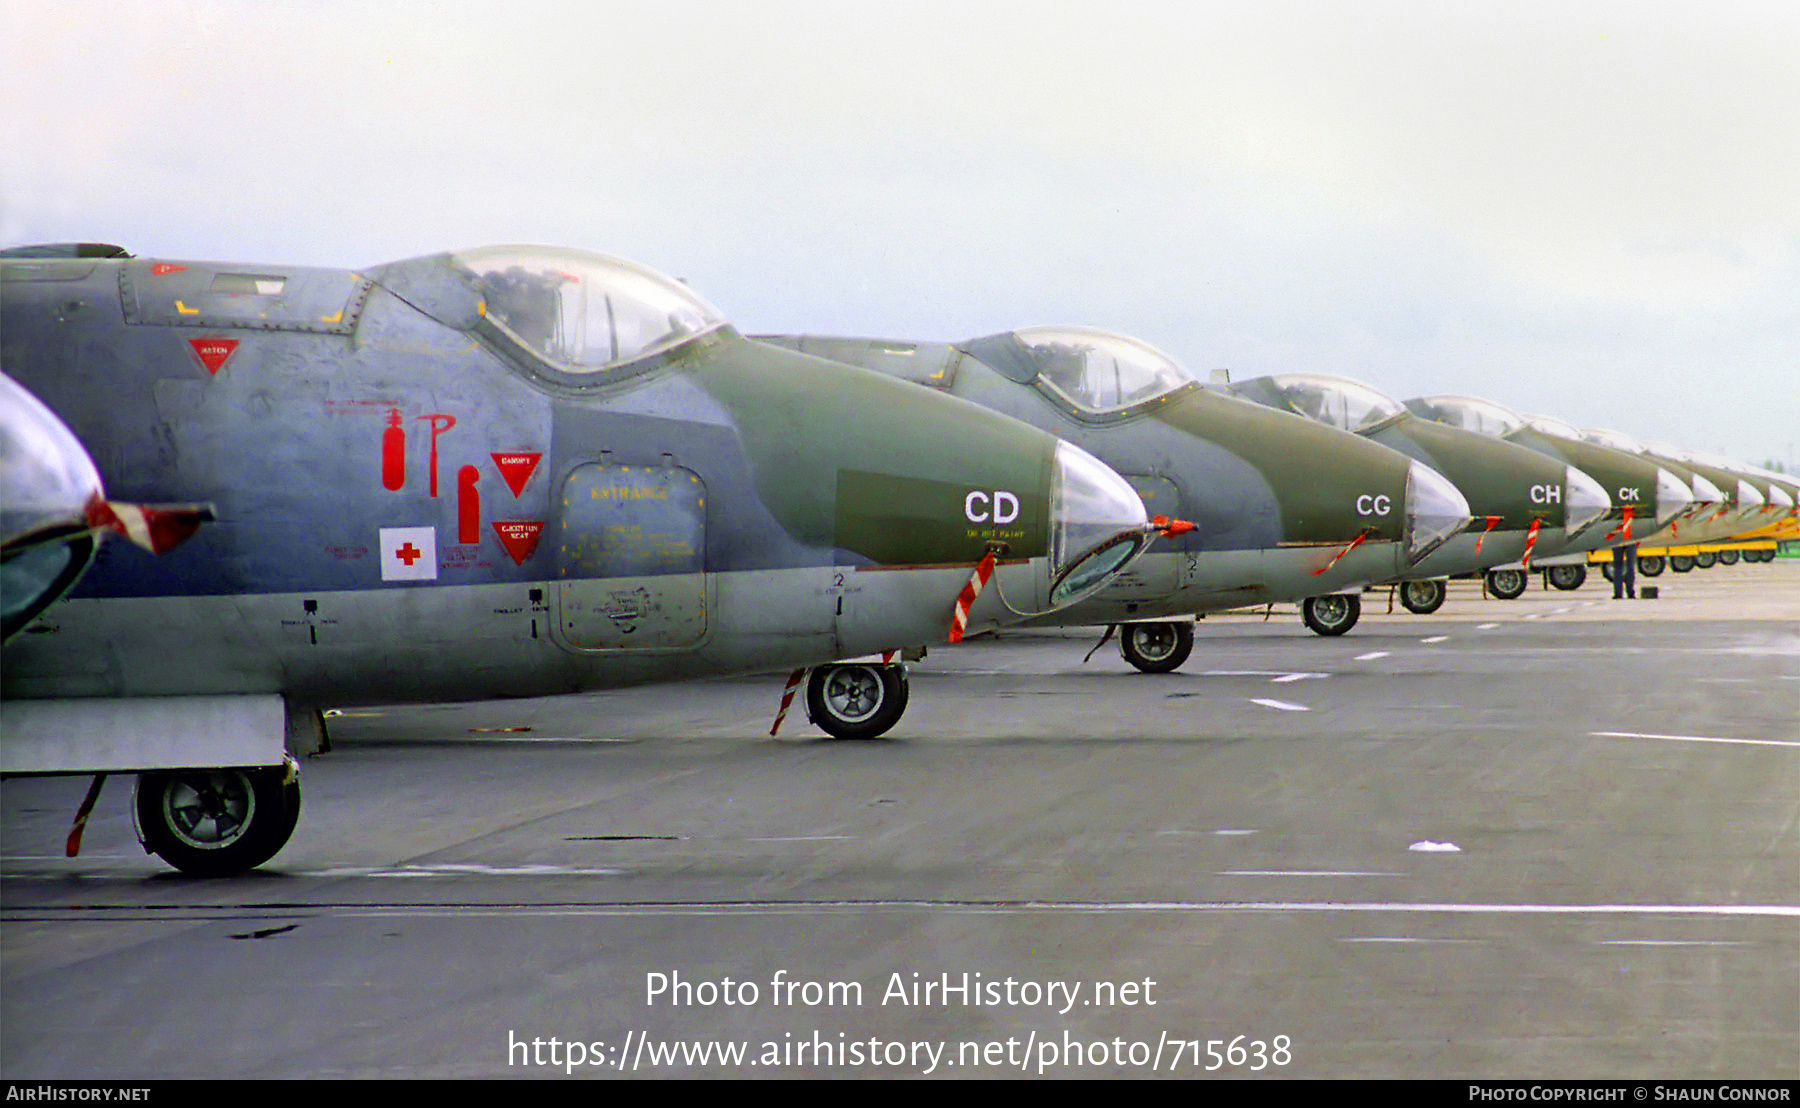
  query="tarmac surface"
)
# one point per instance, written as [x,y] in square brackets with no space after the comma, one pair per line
[1553,837]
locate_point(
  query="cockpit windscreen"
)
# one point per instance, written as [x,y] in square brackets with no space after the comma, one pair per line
[1098,371]
[585,312]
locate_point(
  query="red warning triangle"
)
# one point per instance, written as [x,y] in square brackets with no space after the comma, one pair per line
[520,537]
[213,353]
[516,469]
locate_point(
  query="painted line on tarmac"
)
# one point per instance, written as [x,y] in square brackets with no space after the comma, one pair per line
[1790,744]
[1027,907]
[1403,939]
[1371,656]
[1305,873]
[1437,638]
[1279,705]
[237,911]
[1671,942]
[800,838]
[1486,626]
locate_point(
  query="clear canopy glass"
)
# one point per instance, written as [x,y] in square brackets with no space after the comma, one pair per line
[1338,401]
[1484,417]
[584,312]
[1550,426]
[1098,371]
[1618,440]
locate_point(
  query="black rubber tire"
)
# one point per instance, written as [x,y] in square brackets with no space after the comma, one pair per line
[1706,559]
[1506,584]
[1423,597]
[1567,578]
[1331,614]
[856,700]
[1681,563]
[217,822]
[1606,570]
[1728,557]
[1157,647]
[1651,565]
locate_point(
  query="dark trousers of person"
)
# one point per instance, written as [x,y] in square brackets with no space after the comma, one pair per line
[1624,571]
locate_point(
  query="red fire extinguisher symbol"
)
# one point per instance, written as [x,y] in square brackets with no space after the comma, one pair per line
[393,453]
[468,505]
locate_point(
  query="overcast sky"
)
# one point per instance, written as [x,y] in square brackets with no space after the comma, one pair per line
[1588,210]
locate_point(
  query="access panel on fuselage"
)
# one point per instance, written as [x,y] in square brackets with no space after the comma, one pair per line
[631,558]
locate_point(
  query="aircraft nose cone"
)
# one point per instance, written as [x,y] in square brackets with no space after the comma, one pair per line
[47,476]
[1435,510]
[1673,497]
[1584,502]
[1749,497]
[1097,524]
[1705,492]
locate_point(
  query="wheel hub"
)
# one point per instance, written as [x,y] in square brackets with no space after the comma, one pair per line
[853,693]
[208,810]
[1153,641]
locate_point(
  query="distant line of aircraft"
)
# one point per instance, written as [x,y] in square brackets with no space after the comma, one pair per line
[523,471]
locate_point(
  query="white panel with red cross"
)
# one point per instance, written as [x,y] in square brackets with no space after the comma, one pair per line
[409,554]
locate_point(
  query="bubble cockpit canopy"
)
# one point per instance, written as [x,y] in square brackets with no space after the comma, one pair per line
[1549,425]
[1618,440]
[582,312]
[1100,372]
[1336,401]
[1484,417]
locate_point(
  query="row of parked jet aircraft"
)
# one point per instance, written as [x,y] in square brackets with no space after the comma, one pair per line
[523,471]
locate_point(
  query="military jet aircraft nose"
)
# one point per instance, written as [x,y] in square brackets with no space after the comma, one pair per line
[46,482]
[1435,510]
[1584,502]
[1673,497]
[1097,524]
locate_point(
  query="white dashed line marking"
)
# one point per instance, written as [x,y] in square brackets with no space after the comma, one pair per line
[1694,739]
[1280,705]
[1437,638]
[1371,656]
[1486,626]
[1305,873]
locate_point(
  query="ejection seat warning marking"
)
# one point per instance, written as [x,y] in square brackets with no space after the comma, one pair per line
[409,554]
[519,537]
